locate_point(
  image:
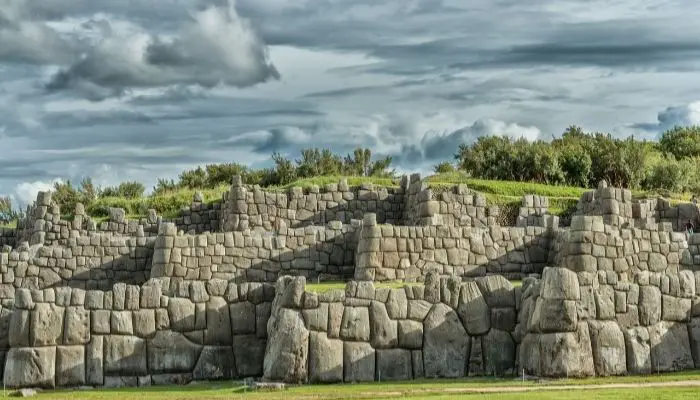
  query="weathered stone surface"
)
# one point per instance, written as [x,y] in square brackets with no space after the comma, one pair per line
[445,343]
[694,337]
[248,351]
[171,352]
[499,353]
[325,358]
[355,324]
[70,366]
[181,313]
[557,315]
[242,318]
[77,326]
[144,323]
[566,354]
[30,367]
[472,310]
[497,291]
[122,323]
[608,345]
[218,323]
[638,350]
[383,331]
[286,357]
[418,309]
[358,362]
[94,361]
[675,308]
[560,284]
[18,329]
[125,355]
[47,325]
[394,365]
[649,305]
[214,363]
[410,334]
[670,347]
[317,318]
[397,304]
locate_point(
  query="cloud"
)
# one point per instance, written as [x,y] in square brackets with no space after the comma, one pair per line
[24,39]
[26,192]
[685,115]
[439,146]
[215,47]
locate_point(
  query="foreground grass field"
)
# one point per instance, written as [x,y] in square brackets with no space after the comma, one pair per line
[684,385]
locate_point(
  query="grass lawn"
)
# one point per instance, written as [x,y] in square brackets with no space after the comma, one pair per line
[323,287]
[420,389]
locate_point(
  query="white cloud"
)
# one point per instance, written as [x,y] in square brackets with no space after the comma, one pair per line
[216,46]
[26,192]
[685,115]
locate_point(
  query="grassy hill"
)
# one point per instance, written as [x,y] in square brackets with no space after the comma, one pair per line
[506,194]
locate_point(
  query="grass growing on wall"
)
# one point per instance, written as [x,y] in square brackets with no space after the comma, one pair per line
[505,194]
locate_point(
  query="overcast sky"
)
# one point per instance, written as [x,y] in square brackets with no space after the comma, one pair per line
[122,89]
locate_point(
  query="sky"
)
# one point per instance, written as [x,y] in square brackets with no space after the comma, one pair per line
[140,90]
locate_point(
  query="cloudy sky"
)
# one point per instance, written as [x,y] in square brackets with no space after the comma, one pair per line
[122,89]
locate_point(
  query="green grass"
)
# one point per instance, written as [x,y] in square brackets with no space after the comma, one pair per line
[418,389]
[11,224]
[323,287]
[505,194]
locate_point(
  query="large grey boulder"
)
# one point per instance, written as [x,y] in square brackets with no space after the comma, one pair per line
[325,358]
[215,362]
[472,310]
[383,331]
[445,343]
[125,355]
[286,356]
[670,347]
[638,350]
[499,353]
[649,305]
[560,284]
[566,354]
[694,337]
[394,365]
[70,366]
[359,361]
[171,352]
[47,325]
[218,331]
[249,352]
[608,345]
[355,324]
[30,367]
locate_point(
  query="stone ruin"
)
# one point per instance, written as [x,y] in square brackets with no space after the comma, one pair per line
[219,293]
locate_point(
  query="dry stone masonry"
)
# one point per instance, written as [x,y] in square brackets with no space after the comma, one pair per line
[220,292]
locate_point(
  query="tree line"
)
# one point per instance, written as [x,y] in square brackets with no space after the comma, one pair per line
[577,158]
[584,159]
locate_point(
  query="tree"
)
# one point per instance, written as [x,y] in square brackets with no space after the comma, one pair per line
[285,172]
[681,142]
[193,179]
[7,214]
[444,167]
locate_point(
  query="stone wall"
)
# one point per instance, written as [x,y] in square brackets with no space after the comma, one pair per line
[443,329]
[8,237]
[316,252]
[254,208]
[135,336]
[89,262]
[387,252]
[622,300]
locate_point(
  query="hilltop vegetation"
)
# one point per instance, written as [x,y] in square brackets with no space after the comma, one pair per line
[503,169]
